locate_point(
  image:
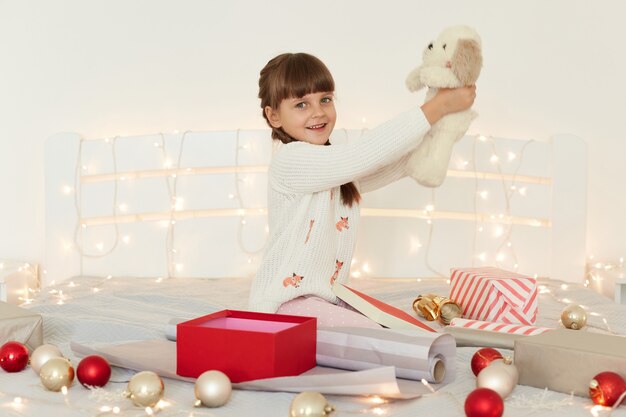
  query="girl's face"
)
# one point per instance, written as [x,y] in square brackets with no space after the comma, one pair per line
[308,119]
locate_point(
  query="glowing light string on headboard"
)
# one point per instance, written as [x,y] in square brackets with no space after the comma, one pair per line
[172,172]
[77,204]
[172,184]
[242,212]
[507,191]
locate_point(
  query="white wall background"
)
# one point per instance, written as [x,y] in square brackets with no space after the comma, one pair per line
[116,67]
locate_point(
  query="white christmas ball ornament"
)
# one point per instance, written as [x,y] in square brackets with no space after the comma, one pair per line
[145,389]
[57,373]
[310,404]
[499,376]
[42,354]
[213,388]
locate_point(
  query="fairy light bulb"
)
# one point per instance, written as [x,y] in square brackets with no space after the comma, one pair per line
[484,194]
[178,203]
[415,245]
[494,159]
[511,156]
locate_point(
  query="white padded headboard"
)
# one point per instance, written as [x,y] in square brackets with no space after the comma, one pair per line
[194,205]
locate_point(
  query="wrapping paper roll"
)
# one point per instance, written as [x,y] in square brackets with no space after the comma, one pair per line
[486,334]
[416,356]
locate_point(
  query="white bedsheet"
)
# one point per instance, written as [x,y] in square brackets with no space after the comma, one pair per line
[94,311]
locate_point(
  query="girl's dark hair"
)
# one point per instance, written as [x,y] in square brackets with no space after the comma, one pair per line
[296,75]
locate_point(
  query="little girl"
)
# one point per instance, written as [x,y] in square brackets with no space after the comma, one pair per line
[315,189]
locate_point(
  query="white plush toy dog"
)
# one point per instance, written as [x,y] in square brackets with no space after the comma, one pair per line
[453,60]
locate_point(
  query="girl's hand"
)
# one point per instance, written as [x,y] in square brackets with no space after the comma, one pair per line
[456,99]
[448,100]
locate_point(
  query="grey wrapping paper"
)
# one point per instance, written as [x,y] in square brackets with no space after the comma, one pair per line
[160,356]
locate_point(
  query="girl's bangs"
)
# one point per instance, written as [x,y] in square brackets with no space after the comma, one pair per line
[302,78]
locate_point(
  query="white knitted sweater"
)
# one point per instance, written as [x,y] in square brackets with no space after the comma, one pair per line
[312,233]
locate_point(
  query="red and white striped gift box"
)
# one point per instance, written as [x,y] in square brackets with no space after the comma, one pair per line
[493,294]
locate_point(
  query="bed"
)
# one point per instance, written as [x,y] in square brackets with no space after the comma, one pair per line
[145,228]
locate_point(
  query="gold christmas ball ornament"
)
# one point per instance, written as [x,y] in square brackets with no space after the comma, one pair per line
[574,317]
[57,373]
[213,388]
[42,354]
[500,376]
[145,389]
[310,404]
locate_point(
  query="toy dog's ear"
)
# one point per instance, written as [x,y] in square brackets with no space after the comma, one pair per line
[467,61]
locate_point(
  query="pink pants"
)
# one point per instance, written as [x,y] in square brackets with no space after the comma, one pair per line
[328,314]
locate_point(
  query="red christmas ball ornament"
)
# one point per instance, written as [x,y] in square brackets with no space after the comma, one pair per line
[484,402]
[93,371]
[13,356]
[606,388]
[484,357]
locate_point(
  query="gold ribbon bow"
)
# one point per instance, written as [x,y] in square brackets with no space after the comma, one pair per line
[434,307]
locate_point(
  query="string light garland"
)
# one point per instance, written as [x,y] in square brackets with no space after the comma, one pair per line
[239,198]
[171,172]
[513,185]
[78,204]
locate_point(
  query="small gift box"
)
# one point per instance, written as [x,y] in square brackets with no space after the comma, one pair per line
[493,294]
[20,325]
[246,345]
[567,360]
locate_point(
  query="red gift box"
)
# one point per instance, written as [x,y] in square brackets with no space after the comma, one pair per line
[495,295]
[246,345]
